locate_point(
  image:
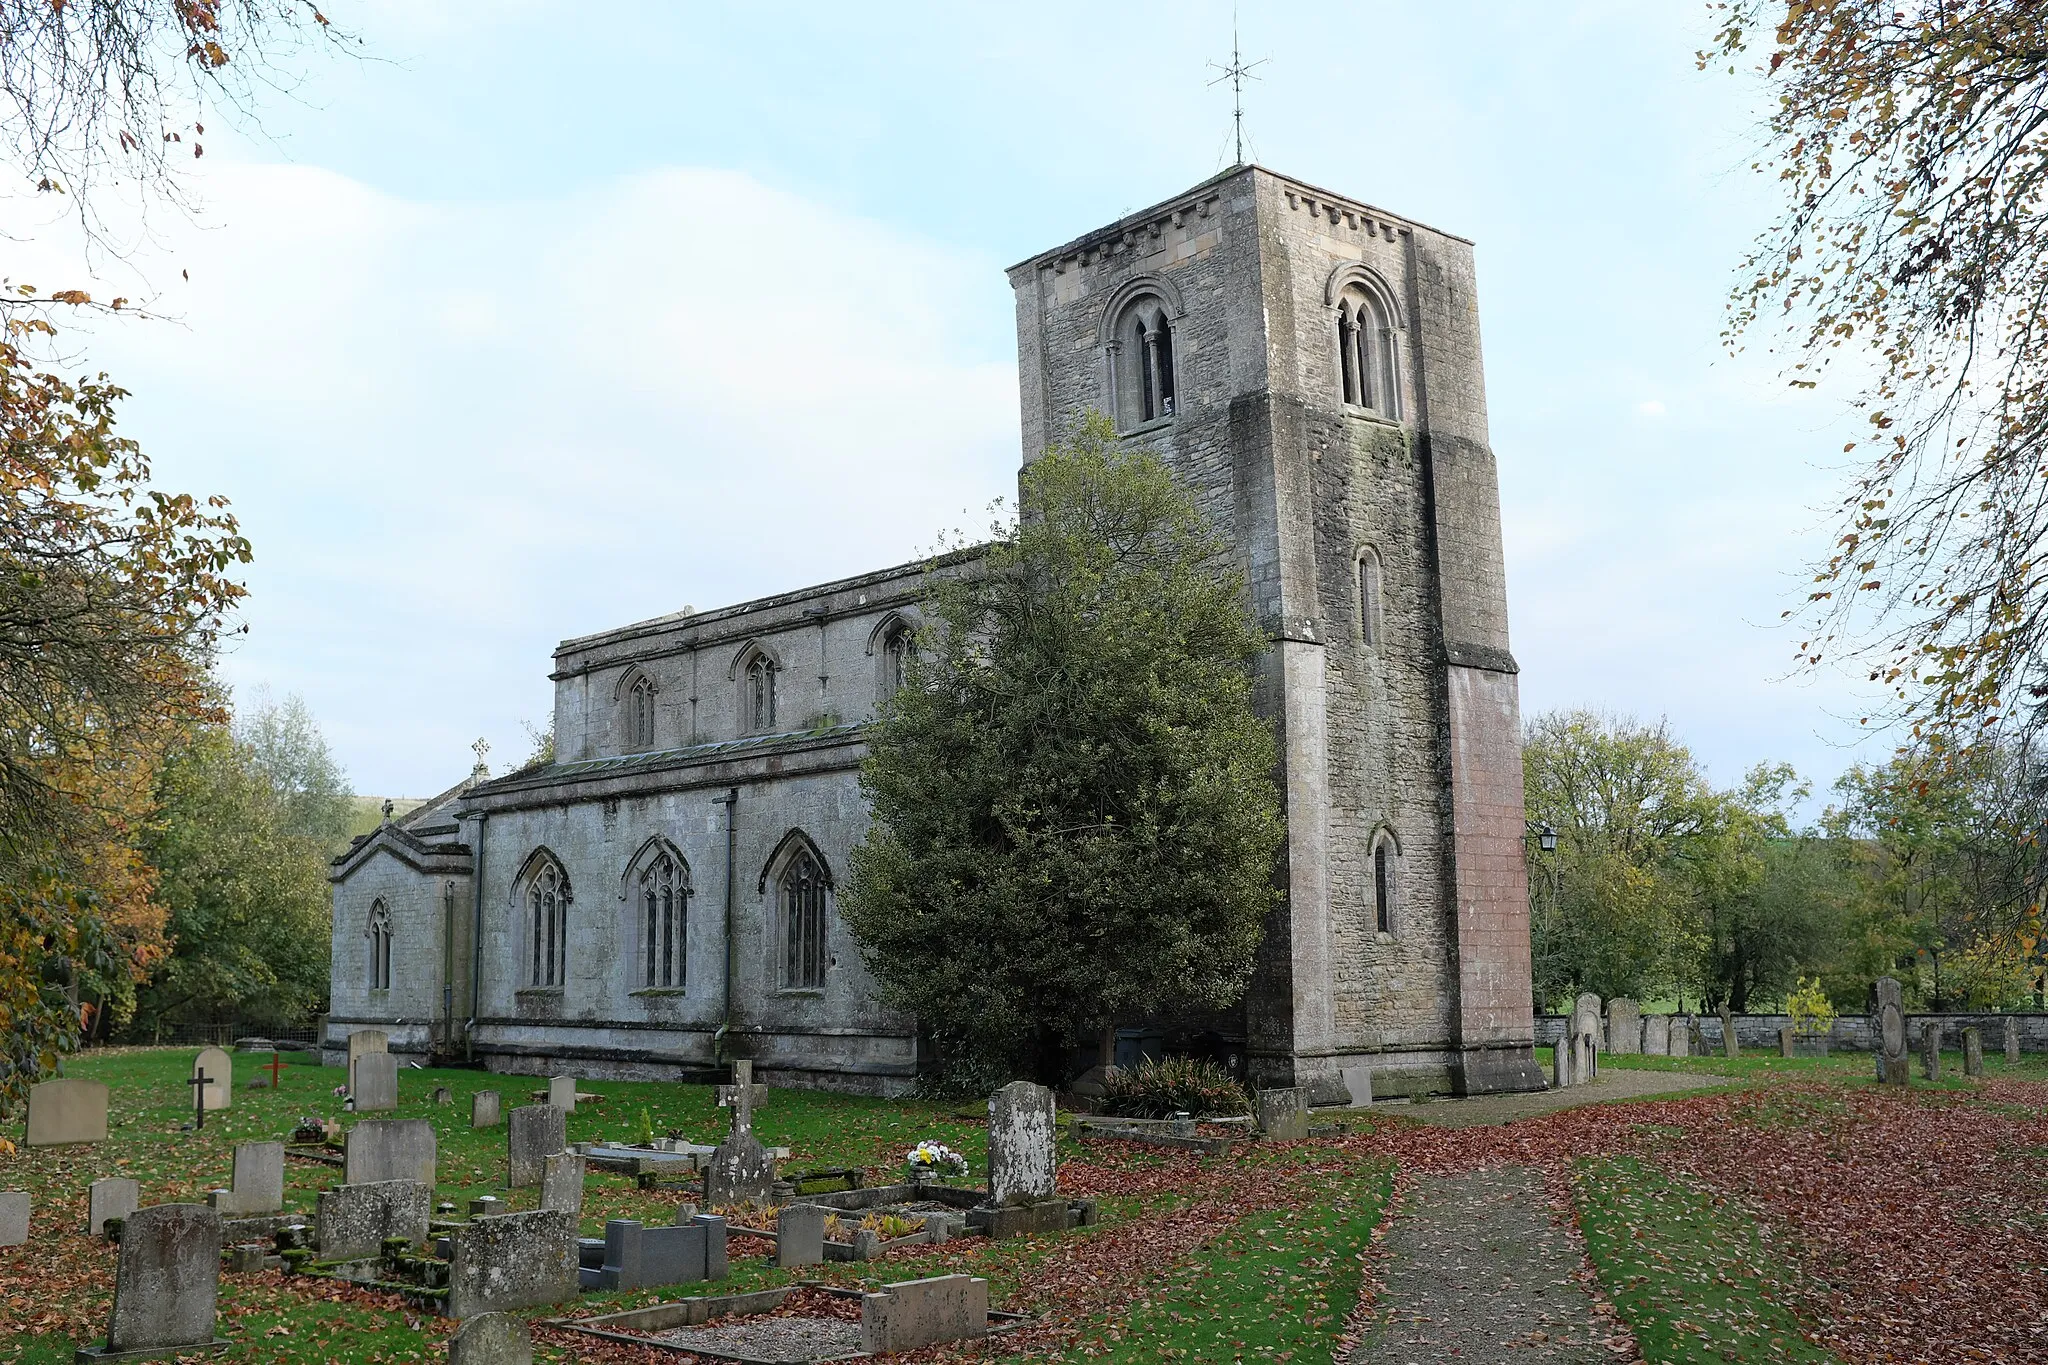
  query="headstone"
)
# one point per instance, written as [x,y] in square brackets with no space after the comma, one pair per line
[354,1220]
[373,1083]
[1683,1027]
[1657,1035]
[218,1066]
[365,1040]
[1562,1074]
[1930,1050]
[390,1149]
[14,1211]
[1731,1046]
[1785,1035]
[743,1097]
[536,1132]
[258,1182]
[485,1205]
[2012,1041]
[491,1339]
[1020,1144]
[1889,1030]
[562,1093]
[66,1110]
[114,1197]
[637,1257]
[483,1109]
[741,1171]
[166,1281]
[561,1182]
[443,1095]
[800,1235]
[516,1260]
[1357,1084]
[1696,1036]
[1282,1117]
[903,1317]
[1624,1026]
[1973,1052]
[246,1258]
[1586,1035]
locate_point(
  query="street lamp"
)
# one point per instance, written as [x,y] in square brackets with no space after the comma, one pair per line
[1546,838]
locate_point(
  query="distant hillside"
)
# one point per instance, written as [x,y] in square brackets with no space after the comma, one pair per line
[369,812]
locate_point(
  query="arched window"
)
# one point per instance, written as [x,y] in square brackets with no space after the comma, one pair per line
[759,699]
[662,894]
[894,658]
[1141,347]
[546,897]
[802,887]
[640,714]
[1386,873]
[1369,597]
[1367,358]
[380,946]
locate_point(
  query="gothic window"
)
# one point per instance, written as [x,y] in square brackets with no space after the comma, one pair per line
[547,921]
[895,658]
[1142,363]
[640,715]
[1366,353]
[1369,596]
[1386,866]
[759,699]
[380,946]
[662,896]
[802,887]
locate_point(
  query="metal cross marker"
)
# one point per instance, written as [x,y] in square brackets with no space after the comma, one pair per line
[201,1080]
[274,1067]
[741,1097]
[1236,74]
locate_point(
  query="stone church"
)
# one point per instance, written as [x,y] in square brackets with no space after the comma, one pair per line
[661,896]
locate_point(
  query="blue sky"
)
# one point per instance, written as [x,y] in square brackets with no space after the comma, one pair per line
[545,319]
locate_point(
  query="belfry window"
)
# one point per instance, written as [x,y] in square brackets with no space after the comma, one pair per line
[547,918]
[640,715]
[1142,359]
[759,699]
[380,946]
[664,895]
[801,890]
[1366,359]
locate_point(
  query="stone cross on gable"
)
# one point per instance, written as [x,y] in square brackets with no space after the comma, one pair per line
[741,1097]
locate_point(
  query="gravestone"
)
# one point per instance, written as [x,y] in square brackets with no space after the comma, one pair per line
[1696,1036]
[741,1170]
[800,1235]
[66,1110]
[1973,1052]
[1680,1039]
[2012,1041]
[1586,1035]
[166,1282]
[637,1257]
[218,1066]
[491,1339]
[1731,1046]
[1657,1035]
[365,1040]
[1888,1029]
[1020,1144]
[535,1133]
[903,1317]
[516,1260]
[561,1182]
[258,1182]
[443,1095]
[562,1093]
[483,1109]
[114,1197]
[1624,1026]
[353,1220]
[1357,1084]
[373,1083]
[485,1205]
[742,1096]
[1785,1041]
[1561,1071]
[376,1150]
[1282,1116]
[1930,1050]
[14,1211]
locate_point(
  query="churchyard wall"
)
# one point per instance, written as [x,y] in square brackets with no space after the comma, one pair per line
[1851,1032]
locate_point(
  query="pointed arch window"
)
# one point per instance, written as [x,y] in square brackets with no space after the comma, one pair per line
[640,714]
[895,658]
[1386,885]
[1142,363]
[661,896]
[1366,354]
[380,946]
[546,901]
[759,697]
[801,891]
[1370,595]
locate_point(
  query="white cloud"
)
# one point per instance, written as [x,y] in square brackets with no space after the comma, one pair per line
[1653,407]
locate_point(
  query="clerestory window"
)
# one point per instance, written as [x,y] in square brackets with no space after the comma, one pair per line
[759,698]
[640,715]
[895,660]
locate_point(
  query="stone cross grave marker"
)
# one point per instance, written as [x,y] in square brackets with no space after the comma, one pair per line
[483,1109]
[1624,1026]
[800,1235]
[65,1110]
[1973,1052]
[377,1150]
[373,1083]
[166,1283]
[491,1339]
[1930,1050]
[1889,1026]
[114,1197]
[1021,1123]
[2012,1041]
[561,1182]
[743,1097]
[258,1184]
[352,1221]
[516,1260]
[903,1317]
[562,1093]
[14,1211]
[365,1040]
[535,1132]
[219,1068]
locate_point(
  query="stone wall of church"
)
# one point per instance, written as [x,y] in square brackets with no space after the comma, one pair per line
[420,949]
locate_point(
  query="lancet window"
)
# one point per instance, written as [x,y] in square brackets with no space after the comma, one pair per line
[380,946]
[547,922]
[663,894]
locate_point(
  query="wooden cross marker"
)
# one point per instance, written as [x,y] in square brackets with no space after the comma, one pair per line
[274,1067]
[741,1097]
[200,1080]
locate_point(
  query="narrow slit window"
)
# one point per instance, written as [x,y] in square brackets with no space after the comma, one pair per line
[380,946]
[1383,887]
[1370,622]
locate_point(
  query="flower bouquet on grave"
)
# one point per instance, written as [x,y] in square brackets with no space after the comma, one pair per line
[930,1161]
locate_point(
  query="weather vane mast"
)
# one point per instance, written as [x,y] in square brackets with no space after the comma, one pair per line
[1236,73]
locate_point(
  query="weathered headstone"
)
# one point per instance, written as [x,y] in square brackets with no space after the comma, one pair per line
[1930,1050]
[258,1182]
[903,1317]
[354,1220]
[1561,1071]
[1889,1029]
[491,1339]
[1682,1028]
[561,1182]
[2012,1041]
[1657,1035]
[1624,1026]
[485,1205]
[741,1171]
[1357,1084]
[166,1282]
[366,1040]
[516,1260]
[377,1150]
[14,1211]
[66,1110]
[1282,1116]
[373,1083]
[535,1133]
[218,1066]
[1973,1052]
[114,1197]
[1785,1036]
[1586,1035]
[1731,1046]
[443,1095]
[562,1093]
[1020,1144]
[743,1097]
[1695,1036]
[637,1257]
[483,1109]
[800,1235]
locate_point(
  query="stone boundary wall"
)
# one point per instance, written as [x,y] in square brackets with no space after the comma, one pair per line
[1852,1032]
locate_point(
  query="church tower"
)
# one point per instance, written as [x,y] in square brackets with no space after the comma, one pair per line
[1310,366]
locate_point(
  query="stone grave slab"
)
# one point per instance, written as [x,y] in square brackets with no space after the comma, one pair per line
[65,1110]
[1683,1027]
[914,1313]
[1562,1072]
[14,1211]
[1889,1029]
[800,1235]
[534,1133]
[515,1260]
[561,1182]
[1731,1045]
[116,1196]
[483,1109]
[377,1150]
[562,1093]
[1021,1164]
[1282,1116]
[218,1064]
[637,1257]
[1657,1035]
[166,1282]
[373,1083]
[354,1220]
[1624,1026]
[491,1339]
[258,1182]
[1930,1050]
[2012,1042]
[741,1171]
[366,1040]
[1357,1084]
[1785,1041]
[1973,1052]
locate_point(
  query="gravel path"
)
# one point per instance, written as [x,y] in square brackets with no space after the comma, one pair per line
[1478,1271]
[771,1339]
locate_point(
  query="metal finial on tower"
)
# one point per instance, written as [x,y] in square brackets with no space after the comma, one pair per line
[1236,73]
